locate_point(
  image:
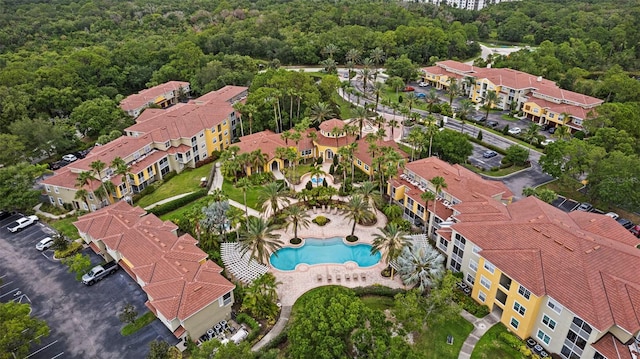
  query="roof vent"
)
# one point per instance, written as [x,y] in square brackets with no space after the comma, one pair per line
[185,269]
[569,248]
[557,241]
[180,247]
[536,229]
[596,248]
[176,263]
[539,79]
[162,244]
[588,251]
[197,288]
[592,220]
[546,235]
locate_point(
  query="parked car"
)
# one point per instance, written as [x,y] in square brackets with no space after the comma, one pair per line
[22,223]
[492,124]
[98,272]
[421,95]
[489,154]
[478,118]
[635,231]
[423,84]
[585,207]
[4,214]
[408,89]
[58,164]
[547,142]
[551,130]
[515,130]
[46,243]
[613,215]
[70,158]
[625,223]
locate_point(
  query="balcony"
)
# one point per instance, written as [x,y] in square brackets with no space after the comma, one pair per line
[505,282]
[501,297]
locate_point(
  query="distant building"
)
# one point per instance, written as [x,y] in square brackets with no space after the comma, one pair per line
[185,290]
[464,4]
[163,96]
[162,140]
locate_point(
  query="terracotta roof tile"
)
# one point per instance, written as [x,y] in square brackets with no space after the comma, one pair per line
[583,270]
[612,348]
[178,279]
[149,95]
[362,151]
[329,125]
[268,141]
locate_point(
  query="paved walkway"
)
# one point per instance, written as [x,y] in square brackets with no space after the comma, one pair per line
[480,327]
[166,200]
[277,328]
[49,215]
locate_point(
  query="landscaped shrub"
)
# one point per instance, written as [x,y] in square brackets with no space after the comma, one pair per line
[205,161]
[244,318]
[336,160]
[71,249]
[167,177]
[378,290]
[321,220]
[332,169]
[175,204]
[479,137]
[261,178]
[309,185]
[505,130]
[467,303]
[319,160]
[324,183]
[579,135]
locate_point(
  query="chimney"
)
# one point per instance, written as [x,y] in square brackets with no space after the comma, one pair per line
[539,79]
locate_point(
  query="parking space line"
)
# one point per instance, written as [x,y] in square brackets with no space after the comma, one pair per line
[10,292]
[6,284]
[41,349]
[57,355]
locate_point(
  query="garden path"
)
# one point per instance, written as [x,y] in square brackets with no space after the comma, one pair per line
[480,326]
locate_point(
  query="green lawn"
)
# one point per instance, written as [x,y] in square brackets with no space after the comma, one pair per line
[432,343]
[178,213]
[377,302]
[346,108]
[236,194]
[499,173]
[491,346]
[66,227]
[509,118]
[185,182]
[140,323]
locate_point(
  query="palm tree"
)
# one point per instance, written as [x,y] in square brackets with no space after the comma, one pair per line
[392,241]
[360,114]
[431,130]
[393,124]
[415,138]
[330,65]
[532,133]
[358,210]
[329,50]
[377,56]
[468,83]
[297,217]
[431,99]
[239,108]
[82,194]
[336,132]
[490,99]
[121,169]
[314,138]
[257,159]
[316,171]
[453,90]
[321,112]
[370,193]
[85,178]
[272,198]
[466,106]
[244,185]
[352,58]
[378,87]
[366,76]
[259,240]
[420,264]
[562,132]
[97,166]
[411,100]
[427,196]
[260,297]
[439,184]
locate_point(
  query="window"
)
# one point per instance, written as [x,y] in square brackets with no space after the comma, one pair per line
[482,296]
[147,149]
[519,308]
[473,265]
[577,338]
[201,134]
[476,249]
[471,279]
[93,207]
[215,140]
[366,167]
[554,305]
[524,292]
[90,196]
[359,163]
[167,144]
[305,152]
[84,206]
[543,336]
[514,323]
[48,188]
[56,190]
[226,133]
[136,155]
[485,282]
[224,123]
[489,267]
[52,200]
[226,299]
[60,201]
[549,322]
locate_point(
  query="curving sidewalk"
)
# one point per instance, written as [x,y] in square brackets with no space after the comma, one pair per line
[480,327]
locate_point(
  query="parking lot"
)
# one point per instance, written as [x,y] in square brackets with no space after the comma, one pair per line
[476,158]
[83,320]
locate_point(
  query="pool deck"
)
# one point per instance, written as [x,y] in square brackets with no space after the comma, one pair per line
[306,277]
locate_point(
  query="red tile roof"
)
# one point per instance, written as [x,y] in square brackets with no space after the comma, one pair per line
[461,182]
[612,348]
[414,193]
[179,281]
[268,141]
[362,151]
[559,108]
[329,125]
[585,261]
[149,95]
[67,179]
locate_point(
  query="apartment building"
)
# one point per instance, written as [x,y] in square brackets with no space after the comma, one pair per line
[185,290]
[162,96]
[464,4]
[462,187]
[539,99]
[568,280]
[161,141]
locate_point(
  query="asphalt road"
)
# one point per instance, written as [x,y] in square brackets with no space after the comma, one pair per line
[83,320]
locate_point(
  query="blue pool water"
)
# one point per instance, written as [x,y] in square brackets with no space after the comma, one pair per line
[321,251]
[317,180]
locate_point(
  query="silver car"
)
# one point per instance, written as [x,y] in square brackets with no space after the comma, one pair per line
[46,243]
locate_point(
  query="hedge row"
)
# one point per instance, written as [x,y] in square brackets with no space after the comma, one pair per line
[73,248]
[175,204]
[252,323]
[377,290]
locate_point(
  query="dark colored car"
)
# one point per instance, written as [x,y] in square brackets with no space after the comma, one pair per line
[492,124]
[585,207]
[4,214]
[551,130]
[635,231]
[625,223]
[489,154]
[479,118]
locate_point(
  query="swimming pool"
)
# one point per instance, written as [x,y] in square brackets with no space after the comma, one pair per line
[323,251]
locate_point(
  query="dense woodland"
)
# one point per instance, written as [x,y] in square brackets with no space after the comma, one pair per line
[65,65]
